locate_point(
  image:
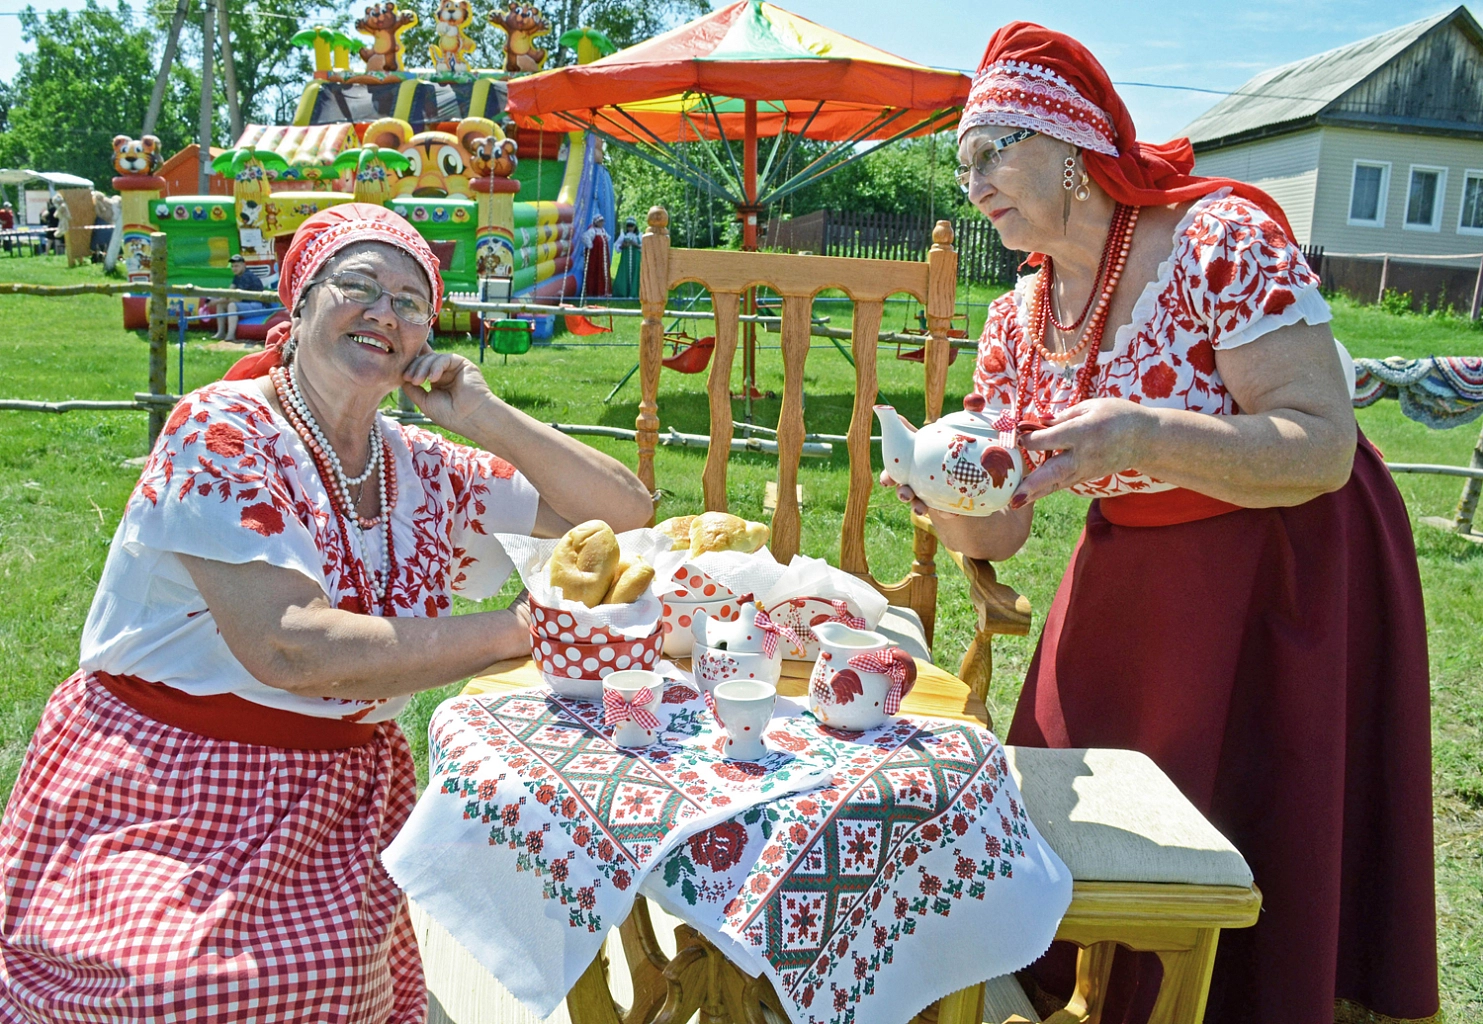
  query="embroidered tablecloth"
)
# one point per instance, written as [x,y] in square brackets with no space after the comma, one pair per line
[915,873]
[866,874]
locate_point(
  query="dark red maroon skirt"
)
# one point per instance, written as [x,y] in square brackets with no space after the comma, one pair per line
[1273,663]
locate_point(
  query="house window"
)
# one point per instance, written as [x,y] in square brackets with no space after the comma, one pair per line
[1470,220]
[1424,198]
[1368,194]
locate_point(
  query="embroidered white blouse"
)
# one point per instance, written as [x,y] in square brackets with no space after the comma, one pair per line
[1232,277]
[229,480]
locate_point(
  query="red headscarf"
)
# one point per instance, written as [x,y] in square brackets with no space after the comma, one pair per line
[318,239]
[1031,77]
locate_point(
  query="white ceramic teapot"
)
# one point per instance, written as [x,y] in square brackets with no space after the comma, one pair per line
[961,463]
[747,647]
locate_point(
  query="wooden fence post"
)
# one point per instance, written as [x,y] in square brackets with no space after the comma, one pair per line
[1467,505]
[159,331]
[1384,278]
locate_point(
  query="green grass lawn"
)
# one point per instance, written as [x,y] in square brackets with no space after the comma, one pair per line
[63,484]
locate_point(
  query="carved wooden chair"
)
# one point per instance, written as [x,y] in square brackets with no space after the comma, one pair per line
[727,275]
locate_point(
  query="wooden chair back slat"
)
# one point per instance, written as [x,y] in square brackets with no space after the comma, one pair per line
[726,306]
[863,347]
[728,275]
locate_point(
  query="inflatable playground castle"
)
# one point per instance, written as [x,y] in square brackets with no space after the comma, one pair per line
[511,212]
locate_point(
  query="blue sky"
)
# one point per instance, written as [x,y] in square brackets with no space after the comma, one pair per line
[1167,42]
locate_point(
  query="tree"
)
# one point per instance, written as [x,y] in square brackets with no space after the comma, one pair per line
[271,70]
[88,80]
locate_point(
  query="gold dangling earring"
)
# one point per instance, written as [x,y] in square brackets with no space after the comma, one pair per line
[1068,183]
[1083,192]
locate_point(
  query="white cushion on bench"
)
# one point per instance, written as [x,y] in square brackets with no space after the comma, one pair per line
[1113,816]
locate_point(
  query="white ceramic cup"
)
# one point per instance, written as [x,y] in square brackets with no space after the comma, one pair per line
[627,685]
[744,707]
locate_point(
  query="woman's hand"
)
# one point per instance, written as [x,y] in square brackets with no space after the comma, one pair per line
[1093,439]
[991,538]
[456,390]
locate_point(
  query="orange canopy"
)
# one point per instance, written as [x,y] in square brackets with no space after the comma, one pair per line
[694,82]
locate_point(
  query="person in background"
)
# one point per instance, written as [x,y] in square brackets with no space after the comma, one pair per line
[102,224]
[7,223]
[247,281]
[628,250]
[50,241]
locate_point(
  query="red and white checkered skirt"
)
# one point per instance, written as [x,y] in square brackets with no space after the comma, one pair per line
[151,874]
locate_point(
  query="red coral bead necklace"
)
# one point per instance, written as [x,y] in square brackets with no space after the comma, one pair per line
[373,587]
[1032,352]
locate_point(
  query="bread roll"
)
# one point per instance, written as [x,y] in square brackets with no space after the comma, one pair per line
[585,562]
[721,531]
[677,529]
[631,582]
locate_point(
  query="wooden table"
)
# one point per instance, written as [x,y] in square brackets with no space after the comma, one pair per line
[699,978]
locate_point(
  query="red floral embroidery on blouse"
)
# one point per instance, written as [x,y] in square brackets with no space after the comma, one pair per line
[1230,266]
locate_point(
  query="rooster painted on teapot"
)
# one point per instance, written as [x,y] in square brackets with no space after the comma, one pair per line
[965,463]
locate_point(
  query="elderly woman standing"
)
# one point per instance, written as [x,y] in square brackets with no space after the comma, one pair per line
[196,829]
[1244,604]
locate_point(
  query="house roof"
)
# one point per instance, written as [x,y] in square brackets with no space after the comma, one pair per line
[1294,95]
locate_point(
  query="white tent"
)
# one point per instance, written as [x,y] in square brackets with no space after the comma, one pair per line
[57,179]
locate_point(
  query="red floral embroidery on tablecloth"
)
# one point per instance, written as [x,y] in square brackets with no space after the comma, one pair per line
[1231,266]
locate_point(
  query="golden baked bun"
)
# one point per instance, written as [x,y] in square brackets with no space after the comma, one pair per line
[722,531]
[631,582]
[677,529]
[585,562]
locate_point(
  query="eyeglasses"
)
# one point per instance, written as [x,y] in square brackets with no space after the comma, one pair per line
[988,157]
[365,291]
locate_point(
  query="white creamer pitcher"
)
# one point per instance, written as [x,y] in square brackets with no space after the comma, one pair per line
[859,678]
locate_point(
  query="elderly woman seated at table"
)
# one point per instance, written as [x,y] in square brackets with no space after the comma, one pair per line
[1244,604]
[197,826]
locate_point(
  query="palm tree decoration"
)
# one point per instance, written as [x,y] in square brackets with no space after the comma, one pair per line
[342,45]
[376,169]
[249,167]
[589,43]
[322,39]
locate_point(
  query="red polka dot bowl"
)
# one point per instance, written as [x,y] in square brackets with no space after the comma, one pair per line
[578,669]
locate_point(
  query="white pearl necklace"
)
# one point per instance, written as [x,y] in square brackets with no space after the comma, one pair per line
[380,579]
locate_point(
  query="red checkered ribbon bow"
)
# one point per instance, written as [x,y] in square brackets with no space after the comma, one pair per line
[710,702]
[842,614]
[616,710]
[1006,421]
[887,664]
[771,631]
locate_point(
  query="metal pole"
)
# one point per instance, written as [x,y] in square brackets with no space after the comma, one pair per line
[159,330]
[208,33]
[1384,278]
[1477,292]
[157,96]
[229,70]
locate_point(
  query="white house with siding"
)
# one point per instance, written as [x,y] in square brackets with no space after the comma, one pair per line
[1375,147]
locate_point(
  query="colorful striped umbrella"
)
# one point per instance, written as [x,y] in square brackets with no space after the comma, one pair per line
[746,71]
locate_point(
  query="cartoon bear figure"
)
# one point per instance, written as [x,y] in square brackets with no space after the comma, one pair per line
[452,42]
[493,157]
[522,24]
[136,157]
[385,25]
[441,161]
